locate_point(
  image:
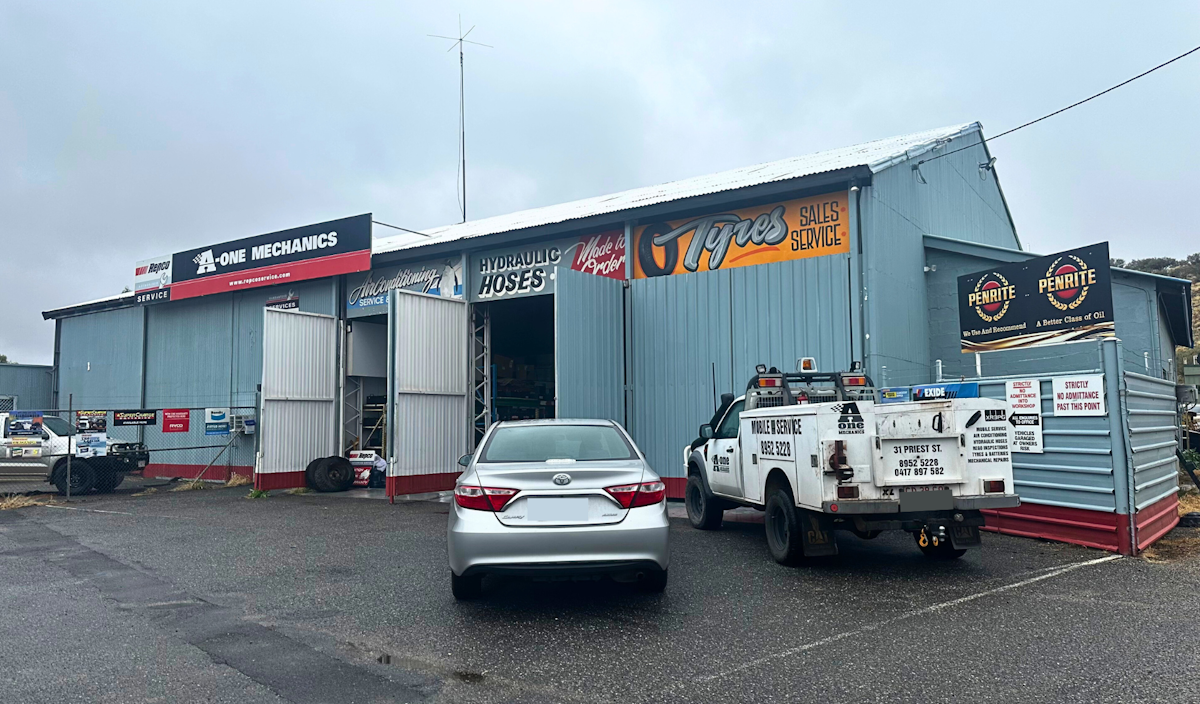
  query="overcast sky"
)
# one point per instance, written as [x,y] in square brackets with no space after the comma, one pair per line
[134,129]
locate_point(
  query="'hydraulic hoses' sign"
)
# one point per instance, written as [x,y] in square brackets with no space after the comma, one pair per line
[1062,297]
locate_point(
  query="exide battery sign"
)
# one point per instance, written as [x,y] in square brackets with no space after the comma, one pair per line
[309,252]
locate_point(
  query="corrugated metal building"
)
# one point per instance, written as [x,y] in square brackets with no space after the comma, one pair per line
[26,386]
[641,306]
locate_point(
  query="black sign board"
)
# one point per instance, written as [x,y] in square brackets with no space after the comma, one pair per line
[1064,297]
[341,246]
[135,418]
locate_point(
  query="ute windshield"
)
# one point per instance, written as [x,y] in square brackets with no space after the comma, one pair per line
[539,443]
[58,426]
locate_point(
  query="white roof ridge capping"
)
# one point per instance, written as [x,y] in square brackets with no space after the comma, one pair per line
[877,156]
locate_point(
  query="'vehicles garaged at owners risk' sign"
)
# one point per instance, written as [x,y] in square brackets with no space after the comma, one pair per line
[817,454]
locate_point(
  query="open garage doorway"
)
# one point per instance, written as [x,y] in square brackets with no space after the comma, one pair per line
[521,374]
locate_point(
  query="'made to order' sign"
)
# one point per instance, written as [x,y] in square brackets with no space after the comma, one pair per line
[1064,297]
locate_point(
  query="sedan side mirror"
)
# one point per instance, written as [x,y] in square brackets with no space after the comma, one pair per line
[464,460]
[706,431]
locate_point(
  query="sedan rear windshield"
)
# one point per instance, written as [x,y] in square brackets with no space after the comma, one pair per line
[538,443]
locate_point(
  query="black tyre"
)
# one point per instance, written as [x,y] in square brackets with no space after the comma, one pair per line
[942,551]
[83,478]
[466,588]
[339,473]
[308,471]
[653,582]
[108,479]
[703,509]
[783,528]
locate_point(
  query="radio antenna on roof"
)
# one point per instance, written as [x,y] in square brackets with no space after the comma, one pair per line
[462,121]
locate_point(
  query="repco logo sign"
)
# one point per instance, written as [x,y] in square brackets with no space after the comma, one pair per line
[1066,282]
[992,296]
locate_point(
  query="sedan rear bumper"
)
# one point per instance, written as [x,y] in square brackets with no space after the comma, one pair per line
[479,544]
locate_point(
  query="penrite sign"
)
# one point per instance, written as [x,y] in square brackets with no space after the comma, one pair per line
[1064,297]
[309,252]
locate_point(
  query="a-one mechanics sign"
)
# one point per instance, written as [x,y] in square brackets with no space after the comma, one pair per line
[309,252]
[1064,297]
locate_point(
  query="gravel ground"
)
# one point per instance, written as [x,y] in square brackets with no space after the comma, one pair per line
[207,596]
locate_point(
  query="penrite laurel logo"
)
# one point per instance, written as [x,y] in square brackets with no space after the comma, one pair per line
[850,421]
[992,296]
[1066,282]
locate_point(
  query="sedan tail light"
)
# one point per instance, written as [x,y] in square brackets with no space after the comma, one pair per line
[634,495]
[482,498]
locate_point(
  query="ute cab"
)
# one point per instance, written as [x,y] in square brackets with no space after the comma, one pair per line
[819,454]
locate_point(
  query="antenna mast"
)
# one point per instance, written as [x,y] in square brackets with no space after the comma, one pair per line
[462,104]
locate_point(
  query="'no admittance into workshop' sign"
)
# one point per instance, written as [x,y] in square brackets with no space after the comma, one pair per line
[1064,297]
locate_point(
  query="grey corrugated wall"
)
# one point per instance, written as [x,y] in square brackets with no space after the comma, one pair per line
[687,327]
[100,360]
[898,209]
[31,384]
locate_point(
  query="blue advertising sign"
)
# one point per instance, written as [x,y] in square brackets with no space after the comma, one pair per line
[932,392]
[896,394]
[216,421]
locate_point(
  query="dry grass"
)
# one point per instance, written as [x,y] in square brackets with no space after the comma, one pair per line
[1179,544]
[1189,503]
[146,492]
[239,480]
[298,490]
[190,486]
[14,501]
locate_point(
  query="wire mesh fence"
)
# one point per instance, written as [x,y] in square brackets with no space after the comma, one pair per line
[73,452]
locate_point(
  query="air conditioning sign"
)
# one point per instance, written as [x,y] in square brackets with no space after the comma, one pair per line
[309,252]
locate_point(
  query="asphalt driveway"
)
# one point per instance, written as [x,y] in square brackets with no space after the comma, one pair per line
[208,596]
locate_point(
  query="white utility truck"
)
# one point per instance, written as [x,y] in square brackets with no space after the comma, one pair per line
[818,453]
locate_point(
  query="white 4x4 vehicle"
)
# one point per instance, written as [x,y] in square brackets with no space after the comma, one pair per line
[817,453]
[25,457]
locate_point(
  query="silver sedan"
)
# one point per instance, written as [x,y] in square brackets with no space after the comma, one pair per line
[557,498]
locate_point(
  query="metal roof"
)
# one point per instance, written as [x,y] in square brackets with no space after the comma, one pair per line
[876,156]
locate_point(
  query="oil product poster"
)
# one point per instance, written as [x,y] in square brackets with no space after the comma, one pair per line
[92,421]
[1079,395]
[127,418]
[216,421]
[796,229]
[176,420]
[1025,414]
[25,424]
[1064,297]
[898,394]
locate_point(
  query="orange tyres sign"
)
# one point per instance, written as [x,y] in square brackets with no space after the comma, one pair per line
[796,229]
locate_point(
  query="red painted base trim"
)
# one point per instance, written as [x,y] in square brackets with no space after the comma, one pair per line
[1094,529]
[279,480]
[676,487]
[189,471]
[420,484]
[1156,520]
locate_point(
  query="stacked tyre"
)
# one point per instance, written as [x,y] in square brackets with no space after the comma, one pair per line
[330,474]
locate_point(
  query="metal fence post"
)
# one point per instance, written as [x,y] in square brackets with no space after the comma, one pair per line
[70,440]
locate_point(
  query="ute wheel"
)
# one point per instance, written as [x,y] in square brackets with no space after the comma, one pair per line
[783,528]
[83,478]
[466,588]
[702,508]
[653,582]
[942,551]
[333,474]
